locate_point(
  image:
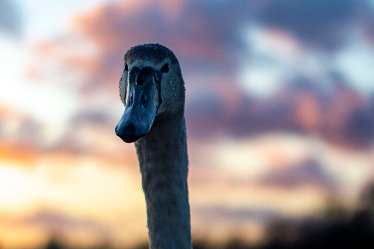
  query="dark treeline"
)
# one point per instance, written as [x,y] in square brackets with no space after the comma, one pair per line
[337,227]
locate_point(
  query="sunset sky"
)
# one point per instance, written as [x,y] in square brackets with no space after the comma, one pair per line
[279,109]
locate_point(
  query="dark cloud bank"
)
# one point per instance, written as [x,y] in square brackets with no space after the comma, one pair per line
[207,35]
[318,23]
[341,115]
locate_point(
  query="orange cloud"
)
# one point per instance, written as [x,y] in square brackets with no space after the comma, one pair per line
[17,153]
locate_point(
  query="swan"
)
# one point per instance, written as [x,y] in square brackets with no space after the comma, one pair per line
[153,93]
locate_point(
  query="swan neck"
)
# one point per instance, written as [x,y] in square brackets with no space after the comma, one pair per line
[163,163]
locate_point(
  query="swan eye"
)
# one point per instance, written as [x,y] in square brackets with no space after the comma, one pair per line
[126,67]
[165,68]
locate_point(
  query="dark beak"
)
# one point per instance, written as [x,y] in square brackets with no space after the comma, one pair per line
[141,107]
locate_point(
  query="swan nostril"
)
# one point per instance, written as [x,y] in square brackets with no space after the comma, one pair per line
[139,81]
[130,129]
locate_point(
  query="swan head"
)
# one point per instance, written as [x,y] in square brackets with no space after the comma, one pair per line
[151,89]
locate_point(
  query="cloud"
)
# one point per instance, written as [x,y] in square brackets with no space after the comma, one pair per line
[212,214]
[10,21]
[15,126]
[51,220]
[203,34]
[360,125]
[340,114]
[46,222]
[308,172]
[324,24]
[195,30]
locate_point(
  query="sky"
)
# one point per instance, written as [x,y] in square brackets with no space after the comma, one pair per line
[279,110]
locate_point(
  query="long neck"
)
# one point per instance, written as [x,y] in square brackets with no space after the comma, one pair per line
[163,163]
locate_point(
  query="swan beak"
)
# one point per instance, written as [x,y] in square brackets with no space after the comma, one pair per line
[140,111]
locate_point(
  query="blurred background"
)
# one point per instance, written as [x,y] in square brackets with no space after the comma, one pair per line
[280,118]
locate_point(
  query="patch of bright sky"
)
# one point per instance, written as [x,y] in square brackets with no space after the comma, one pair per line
[257,156]
[71,187]
[57,181]
[260,76]
[17,189]
[357,63]
[262,81]
[275,57]
[45,18]
[44,102]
